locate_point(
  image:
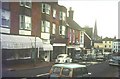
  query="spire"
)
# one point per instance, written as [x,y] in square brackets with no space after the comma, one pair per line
[95,31]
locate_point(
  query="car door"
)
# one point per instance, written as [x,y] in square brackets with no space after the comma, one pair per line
[84,72]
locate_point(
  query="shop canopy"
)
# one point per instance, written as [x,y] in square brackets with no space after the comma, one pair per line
[19,42]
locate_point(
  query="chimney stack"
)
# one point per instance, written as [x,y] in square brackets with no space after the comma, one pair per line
[71,13]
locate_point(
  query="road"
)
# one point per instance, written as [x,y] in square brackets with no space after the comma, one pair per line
[104,70]
[98,70]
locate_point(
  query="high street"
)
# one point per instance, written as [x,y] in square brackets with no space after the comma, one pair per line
[98,70]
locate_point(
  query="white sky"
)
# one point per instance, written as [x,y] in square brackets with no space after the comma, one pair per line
[105,12]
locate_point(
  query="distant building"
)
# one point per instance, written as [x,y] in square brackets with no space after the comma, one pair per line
[107,42]
[116,46]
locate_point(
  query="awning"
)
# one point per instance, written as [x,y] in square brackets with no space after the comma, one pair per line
[19,42]
[59,44]
[47,47]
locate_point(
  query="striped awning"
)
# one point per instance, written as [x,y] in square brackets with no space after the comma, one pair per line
[19,42]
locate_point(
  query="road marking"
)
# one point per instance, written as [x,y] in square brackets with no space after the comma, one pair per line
[42,74]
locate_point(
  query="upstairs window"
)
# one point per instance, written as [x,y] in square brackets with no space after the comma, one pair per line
[62,30]
[25,22]
[27,3]
[5,18]
[54,13]
[62,16]
[46,26]
[53,29]
[46,8]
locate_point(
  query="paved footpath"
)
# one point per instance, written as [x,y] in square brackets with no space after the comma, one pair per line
[27,66]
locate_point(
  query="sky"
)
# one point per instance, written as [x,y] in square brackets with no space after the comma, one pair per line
[105,12]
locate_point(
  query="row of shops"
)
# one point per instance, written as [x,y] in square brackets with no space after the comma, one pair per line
[15,47]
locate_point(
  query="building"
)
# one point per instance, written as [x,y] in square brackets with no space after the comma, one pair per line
[39,30]
[107,42]
[73,34]
[116,46]
[18,43]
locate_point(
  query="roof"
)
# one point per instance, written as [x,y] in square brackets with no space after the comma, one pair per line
[108,39]
[73,24]
[69,65]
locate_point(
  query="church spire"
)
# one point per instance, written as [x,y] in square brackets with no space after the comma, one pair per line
[95,31]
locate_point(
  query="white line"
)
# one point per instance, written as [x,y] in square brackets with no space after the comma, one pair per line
[42,74]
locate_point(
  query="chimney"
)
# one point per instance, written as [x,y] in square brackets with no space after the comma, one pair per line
[71,13]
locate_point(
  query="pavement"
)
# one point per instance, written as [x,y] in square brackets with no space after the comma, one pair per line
[27,66]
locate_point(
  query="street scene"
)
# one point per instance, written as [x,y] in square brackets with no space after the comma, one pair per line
[59,40]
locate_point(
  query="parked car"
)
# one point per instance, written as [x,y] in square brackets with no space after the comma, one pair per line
[100,57]
[115,60]
[68,70]
[63,58]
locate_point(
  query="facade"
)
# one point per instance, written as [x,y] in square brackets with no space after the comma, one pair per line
[116,46]
[73,35]
[39,30]
[58,31]
[107,42]
[18,43]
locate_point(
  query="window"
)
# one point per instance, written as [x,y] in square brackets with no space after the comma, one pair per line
[45,26]
[62,16]
[66,71]
[62,30]
[56,70]
[54,13]
[27,4]
[25,22]
[105,46]
[70,36]
[5,18]
[77,72]
[53,29]
[109,45]
[46,8]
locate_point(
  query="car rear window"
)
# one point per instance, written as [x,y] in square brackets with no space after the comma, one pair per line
[79,71]
[66,71]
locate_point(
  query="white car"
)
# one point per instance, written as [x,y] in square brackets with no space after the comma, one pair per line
[63,58]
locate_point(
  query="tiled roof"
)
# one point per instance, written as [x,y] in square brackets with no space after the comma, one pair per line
[73,24]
